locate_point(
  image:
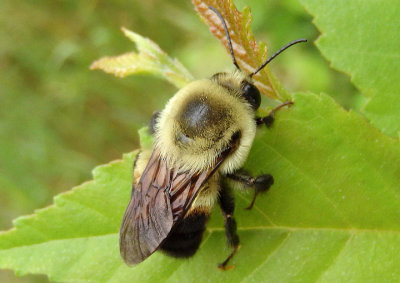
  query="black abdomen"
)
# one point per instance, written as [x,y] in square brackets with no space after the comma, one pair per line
[185,239]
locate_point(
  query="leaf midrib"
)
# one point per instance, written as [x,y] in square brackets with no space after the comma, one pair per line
[211,230]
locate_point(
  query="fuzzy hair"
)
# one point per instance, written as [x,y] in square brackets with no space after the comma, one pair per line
[202,153]
[207,197]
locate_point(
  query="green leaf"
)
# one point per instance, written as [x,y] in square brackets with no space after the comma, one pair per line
[150,59]
[332,214]
[362,39]
[249,55]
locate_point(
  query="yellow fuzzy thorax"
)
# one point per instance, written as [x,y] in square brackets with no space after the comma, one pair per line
[232,114]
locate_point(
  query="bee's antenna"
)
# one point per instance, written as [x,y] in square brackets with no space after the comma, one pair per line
[276,54]
[227,35]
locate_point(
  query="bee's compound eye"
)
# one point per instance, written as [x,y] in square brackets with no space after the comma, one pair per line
[251,94]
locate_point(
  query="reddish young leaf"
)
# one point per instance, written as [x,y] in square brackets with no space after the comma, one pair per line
[249,55]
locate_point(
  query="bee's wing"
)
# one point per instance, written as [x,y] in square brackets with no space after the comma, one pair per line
[160,199]
[148,217]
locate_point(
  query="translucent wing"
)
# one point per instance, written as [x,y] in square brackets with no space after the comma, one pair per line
[148,217]
[160,199]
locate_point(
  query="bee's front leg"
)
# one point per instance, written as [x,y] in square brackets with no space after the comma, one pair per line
[270,118]
[227,205]
[260,183]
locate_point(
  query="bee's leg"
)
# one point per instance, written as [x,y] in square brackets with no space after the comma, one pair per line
[269,119]
[153,121]
[260,183]
[227,205]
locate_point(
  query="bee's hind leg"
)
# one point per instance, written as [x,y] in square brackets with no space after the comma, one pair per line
[270,118]
[227,205]
[260,183]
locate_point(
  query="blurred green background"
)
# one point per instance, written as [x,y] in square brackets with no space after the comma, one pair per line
[58,120]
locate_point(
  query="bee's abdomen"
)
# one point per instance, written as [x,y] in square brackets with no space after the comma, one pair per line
[185,239]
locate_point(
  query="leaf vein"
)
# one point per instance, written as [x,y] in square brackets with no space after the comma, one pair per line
[271,254]
[336,257]
[344,219]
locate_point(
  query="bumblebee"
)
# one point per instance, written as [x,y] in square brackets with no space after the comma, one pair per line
[202,139]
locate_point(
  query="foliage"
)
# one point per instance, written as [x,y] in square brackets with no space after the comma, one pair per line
[332,214]
[58,120]
[150,59]
[369,30]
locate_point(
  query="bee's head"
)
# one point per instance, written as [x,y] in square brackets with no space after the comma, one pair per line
[239,84]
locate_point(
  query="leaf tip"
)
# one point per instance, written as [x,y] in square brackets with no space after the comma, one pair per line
[133,36]
[128,33]
[94,65]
